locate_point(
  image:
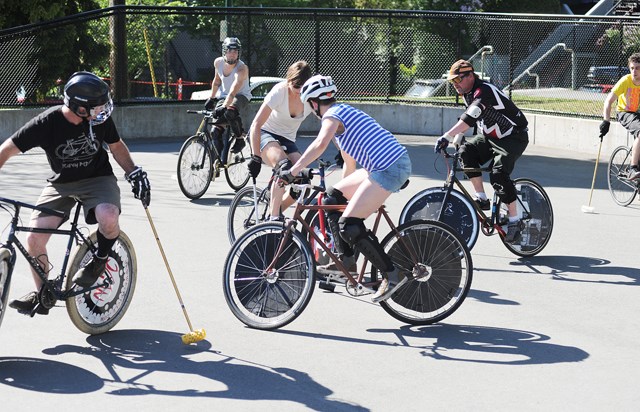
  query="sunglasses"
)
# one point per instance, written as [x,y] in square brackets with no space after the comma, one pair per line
[297,85]
[458,79]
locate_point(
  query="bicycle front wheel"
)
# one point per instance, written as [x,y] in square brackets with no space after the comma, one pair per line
[237,172]
[458,213]
[622,190]
[536,212]
[268,299]
[242,213]
[99,310]
[195,167]
[6,268]
[441,267]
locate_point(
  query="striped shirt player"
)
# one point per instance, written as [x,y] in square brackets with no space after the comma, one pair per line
[385,169]
[370,145]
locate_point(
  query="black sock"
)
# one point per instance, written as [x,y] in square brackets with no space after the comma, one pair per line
[104,245]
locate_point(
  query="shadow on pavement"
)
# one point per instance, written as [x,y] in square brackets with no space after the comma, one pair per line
[132,357]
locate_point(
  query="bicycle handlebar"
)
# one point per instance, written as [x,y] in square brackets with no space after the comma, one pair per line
[207,113]
[46,210]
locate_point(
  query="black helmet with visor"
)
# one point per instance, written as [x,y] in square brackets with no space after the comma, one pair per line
[88,96]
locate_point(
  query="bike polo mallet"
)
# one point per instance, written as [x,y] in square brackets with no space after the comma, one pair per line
[194,335]
[255,201]
[588,208]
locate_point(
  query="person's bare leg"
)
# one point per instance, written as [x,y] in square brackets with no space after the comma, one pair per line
[37,243]
[478,184]
[287,200]
[635,152]
[107,216]
[271,155]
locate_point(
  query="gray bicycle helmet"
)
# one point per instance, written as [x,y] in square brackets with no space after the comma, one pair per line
[88,96]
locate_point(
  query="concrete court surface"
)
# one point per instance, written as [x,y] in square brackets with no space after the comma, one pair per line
[558,331]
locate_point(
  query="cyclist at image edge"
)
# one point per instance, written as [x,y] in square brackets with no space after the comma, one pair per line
[72,136]
[385,169]
[627,93]
[230,93]
[504,137]
[273,131]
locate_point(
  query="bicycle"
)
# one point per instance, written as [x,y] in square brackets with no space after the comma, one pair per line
[622,190]
[269,272]
[242,212]
[458,209]
[93,310]
[199,157]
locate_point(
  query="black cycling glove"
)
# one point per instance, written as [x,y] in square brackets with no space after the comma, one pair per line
[604,127]
[255,164]
[140,185]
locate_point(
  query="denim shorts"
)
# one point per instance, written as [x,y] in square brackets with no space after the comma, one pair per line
[287,145]
[393,177]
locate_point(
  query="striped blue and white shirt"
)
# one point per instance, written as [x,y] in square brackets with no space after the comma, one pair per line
[372,146]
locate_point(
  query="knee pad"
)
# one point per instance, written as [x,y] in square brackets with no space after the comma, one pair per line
[353,231]
[335,197]
[284,164]
[294,192]
[233,117]
[503,186]
[231,113]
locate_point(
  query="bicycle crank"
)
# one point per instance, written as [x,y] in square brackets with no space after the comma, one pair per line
[358,289]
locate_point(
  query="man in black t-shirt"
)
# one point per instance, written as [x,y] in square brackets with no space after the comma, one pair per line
[503,138]
[72,137]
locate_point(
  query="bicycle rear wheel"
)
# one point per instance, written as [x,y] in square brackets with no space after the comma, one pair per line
[6,268]
[195,167]
[237,172]
[537,215]
[268,300]
[459,213]
[99,310]
[622,190]
[242,211]
[442,271]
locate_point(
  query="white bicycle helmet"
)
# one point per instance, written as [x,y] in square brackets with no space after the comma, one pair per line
[318,87]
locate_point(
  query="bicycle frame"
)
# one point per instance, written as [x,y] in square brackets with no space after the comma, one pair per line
[54,286]
[358,282]
[488,224]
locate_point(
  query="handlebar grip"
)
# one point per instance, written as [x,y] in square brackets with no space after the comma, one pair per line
[307,174]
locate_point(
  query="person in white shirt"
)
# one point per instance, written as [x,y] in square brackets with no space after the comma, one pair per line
[274,128]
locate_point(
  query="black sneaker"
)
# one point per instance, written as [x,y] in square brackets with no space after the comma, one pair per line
[514,232]
[485,204]
[239,144]
[88,275]
[25,304]
[634,173]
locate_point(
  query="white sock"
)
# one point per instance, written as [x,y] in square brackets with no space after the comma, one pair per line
[481,196]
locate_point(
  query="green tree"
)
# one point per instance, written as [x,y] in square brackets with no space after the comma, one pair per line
[53,52]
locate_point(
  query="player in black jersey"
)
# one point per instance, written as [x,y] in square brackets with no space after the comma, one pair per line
[74,136]
[503,138]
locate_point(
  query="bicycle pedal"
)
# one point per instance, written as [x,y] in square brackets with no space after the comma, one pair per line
[324,285]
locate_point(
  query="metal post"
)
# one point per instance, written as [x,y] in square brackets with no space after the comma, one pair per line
[118,55]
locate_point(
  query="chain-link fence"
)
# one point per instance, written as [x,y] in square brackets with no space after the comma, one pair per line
[555,64]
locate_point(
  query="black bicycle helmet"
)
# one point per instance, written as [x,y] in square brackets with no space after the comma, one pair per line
[231,43]
[88,96]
